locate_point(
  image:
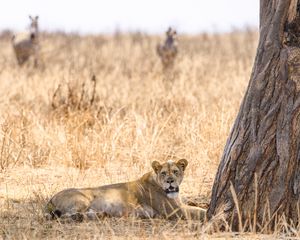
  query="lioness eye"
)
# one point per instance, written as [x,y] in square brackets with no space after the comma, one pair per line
[163,173]
[175,172]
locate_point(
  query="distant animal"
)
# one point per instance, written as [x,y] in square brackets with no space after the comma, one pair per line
[155,194]
[169,49]
[26,44]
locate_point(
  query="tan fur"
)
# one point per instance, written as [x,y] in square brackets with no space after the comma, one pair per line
[26,44]
[155,194]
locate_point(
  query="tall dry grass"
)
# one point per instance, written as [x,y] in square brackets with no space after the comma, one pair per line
[53,138]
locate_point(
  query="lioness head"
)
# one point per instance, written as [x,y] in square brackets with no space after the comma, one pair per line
[169,175]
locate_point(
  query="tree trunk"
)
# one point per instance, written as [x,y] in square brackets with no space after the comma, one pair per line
[258,179]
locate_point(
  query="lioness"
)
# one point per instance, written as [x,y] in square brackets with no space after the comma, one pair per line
[155,194]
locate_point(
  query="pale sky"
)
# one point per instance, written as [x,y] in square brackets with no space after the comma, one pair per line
[153,16]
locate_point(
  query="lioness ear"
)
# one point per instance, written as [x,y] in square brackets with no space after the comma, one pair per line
[156,166]
[182,164]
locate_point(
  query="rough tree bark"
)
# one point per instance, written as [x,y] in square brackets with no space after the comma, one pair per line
[259,173]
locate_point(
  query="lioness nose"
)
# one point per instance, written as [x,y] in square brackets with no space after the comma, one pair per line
[170,180]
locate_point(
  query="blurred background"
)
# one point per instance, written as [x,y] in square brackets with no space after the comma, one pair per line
[98,16]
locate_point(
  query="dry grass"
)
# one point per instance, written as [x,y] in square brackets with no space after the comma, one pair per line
[51,140]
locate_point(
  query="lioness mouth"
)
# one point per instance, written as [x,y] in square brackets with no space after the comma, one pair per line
[172,190]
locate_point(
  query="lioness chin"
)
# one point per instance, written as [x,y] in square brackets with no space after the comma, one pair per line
[155,194]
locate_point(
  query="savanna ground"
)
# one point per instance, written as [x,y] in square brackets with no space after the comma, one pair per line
[73,136]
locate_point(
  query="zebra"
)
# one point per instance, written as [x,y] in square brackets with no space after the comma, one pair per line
[169,49]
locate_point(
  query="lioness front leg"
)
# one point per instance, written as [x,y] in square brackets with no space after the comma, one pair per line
[194,213]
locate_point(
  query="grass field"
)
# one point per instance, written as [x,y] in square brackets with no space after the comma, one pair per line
[54,139]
